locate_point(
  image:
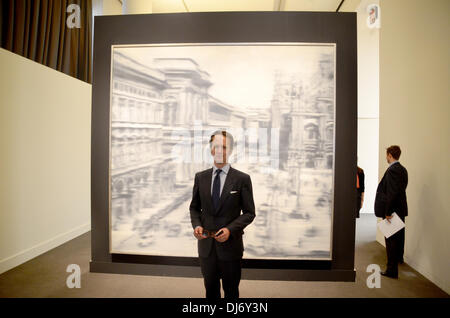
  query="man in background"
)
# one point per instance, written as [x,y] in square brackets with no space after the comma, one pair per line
[390,198]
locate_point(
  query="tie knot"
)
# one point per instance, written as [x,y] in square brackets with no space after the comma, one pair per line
[218,171]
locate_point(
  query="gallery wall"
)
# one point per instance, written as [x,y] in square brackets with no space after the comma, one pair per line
[415,113]
[368,103]
[45,119]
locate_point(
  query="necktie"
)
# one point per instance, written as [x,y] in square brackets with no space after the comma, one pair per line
[216,189]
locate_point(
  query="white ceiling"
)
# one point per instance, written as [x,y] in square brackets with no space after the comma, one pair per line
[168,6]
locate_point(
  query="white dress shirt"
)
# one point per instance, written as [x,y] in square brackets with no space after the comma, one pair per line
[223,176]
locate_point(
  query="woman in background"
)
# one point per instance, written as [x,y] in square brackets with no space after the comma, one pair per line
[359,189]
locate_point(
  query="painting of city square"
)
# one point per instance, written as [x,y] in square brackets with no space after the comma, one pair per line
[276,99]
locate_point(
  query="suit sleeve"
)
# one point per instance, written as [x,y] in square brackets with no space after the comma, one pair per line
[393,188]
[248,208]
[196,205]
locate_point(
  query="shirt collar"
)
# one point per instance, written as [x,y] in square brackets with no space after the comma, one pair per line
[224,169]
[393,163]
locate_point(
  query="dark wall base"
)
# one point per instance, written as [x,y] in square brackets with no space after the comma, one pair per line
[247,273]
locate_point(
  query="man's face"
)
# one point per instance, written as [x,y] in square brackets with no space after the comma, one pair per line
[220,149]
[389,158]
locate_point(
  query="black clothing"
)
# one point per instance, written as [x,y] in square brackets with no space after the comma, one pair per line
[222,260]
[390,198]
[391,192]
[360,191]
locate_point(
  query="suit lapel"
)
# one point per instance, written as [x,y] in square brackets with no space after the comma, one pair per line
[229,182]
[207,188]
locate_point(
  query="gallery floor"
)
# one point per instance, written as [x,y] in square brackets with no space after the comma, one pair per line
[45,276]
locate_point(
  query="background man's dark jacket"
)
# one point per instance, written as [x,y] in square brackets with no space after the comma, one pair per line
[391,192]
[237,195]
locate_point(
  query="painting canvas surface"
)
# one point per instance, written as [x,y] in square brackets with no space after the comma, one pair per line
[276,99]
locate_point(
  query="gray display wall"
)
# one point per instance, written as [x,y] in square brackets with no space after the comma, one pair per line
[284,84]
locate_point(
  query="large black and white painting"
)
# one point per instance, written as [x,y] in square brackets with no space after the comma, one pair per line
[278,101]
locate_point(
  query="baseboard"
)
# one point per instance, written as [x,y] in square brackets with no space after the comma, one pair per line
[32,252]
[431,277]
[247,273]
[441,283]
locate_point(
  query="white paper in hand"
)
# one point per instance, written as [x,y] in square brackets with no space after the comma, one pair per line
[389,229]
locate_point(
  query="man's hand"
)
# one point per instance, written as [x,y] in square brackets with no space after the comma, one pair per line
[389,217]
[198,233]
[224,236]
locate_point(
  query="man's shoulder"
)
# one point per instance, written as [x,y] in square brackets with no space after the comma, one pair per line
[397,168]
[397,173]
[201,173]
[240,174]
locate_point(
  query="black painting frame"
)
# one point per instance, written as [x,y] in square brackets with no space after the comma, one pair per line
[230,27]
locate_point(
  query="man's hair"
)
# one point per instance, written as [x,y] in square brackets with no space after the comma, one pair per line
[226,135]
[394,151]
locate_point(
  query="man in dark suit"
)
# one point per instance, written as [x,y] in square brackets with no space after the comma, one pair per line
[390,198]
[219,195]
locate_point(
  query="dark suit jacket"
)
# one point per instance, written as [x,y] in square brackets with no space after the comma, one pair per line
[228,213]
[391,192]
